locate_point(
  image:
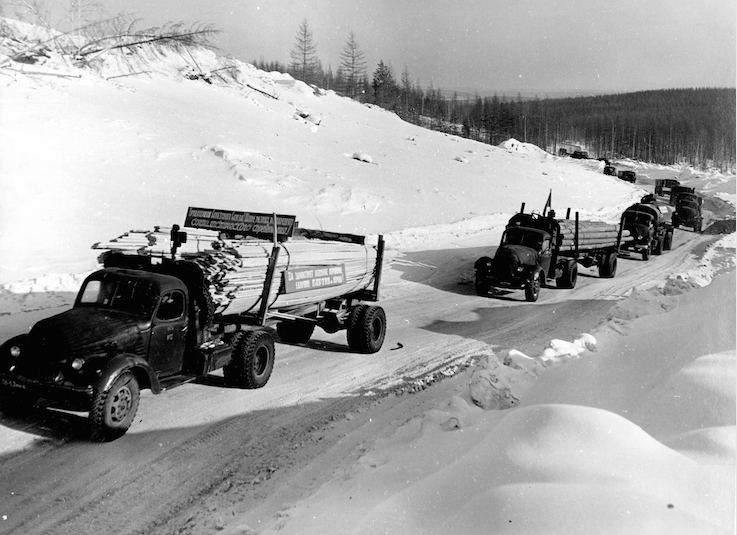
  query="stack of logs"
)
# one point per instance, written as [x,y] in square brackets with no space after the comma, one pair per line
[236,268]
[591,235]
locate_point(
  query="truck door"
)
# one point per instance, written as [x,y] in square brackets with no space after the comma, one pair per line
[168,334]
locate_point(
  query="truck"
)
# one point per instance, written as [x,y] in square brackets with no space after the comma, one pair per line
[538,249]
[647,229]
[147,322]
[627,176]
[688,211]
[610,170]
[663,186]
[675,191]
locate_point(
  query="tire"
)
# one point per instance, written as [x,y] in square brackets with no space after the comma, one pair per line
[252,359]
[569,276]
[675,221]
[608,267]
[658,246]
[482,287]
[532,288]
[295,332]
[113,410]
[366,329]
[646,253]
[668,241]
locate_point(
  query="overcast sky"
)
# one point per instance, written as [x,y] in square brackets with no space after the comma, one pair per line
[531,46]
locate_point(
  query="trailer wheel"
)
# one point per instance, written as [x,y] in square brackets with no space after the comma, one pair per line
[668,241]
[113,410]
[658,246]
[252,359]
[532,287]
[608,266]
[569,276]
[366,329]
[295,332]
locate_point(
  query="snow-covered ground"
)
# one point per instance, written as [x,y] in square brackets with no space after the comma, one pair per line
[628,427]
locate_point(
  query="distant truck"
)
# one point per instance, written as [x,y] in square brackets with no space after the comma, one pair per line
[649,232]
[688,212]
[143,322]
[675,191]
[610,170]
[663,186]
[627,176]
[580,155]
[536,249]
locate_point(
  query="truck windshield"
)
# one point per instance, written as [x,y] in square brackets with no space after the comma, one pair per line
[518,236]
[128,295]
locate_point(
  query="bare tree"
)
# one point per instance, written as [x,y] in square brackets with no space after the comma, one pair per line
[353,66]
[304,54]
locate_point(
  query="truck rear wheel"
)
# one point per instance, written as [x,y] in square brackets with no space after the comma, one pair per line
[658,246]
[113,409]
[252,359]
[668,241]
[569,276]
[295,332]
[608,266]
[482,287]
[366,329]
[532,287]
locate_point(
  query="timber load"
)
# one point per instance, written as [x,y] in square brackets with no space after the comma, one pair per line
[307,270]
[591,235]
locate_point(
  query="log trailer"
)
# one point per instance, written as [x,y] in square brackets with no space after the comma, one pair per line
[147,322]
[536,249]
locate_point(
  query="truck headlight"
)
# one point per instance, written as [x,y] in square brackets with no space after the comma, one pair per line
[77,364]
[520,269]
[15,352]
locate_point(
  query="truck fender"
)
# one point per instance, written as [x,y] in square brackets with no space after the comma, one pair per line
[6,360]
[141,369]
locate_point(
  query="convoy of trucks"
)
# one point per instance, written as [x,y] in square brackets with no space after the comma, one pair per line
[147,320]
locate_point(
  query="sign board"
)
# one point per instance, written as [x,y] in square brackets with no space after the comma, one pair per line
[313,277]
[245,223]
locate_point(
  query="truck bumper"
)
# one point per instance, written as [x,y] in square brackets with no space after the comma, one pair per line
[69,395]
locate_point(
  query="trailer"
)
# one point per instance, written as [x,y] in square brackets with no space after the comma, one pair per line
[537,249]
[152,316]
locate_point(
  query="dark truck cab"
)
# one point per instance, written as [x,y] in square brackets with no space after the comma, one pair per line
[688,211]
[129,329]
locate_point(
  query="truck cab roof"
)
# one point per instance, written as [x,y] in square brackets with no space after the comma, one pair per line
[162,283]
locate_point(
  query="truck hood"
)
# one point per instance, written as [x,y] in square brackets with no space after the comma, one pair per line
[510,257]
[81,332]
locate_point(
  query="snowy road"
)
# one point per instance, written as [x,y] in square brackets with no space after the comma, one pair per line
[203,437]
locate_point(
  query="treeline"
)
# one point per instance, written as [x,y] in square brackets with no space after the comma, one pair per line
[696,126]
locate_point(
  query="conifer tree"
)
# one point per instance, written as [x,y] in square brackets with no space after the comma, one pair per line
[305,64]
[353,66]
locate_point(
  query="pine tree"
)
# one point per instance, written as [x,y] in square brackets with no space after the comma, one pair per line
[305,65]
[353,66]
[384,86]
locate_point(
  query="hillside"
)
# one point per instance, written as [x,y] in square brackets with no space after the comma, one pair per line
[607,407]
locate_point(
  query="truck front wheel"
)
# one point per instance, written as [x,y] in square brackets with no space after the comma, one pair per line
[113,409]
[668,241]
[658,246]
[252,360]
[532,287]
[366,329]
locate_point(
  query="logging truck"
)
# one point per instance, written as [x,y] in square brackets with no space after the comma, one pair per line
[150,320]
[536,249]
[687,212]
[648,231]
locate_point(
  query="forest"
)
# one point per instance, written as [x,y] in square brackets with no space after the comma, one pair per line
[687,125]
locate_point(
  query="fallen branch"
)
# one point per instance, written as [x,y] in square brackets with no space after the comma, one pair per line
[129,74]
[262,92]
[45,73]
